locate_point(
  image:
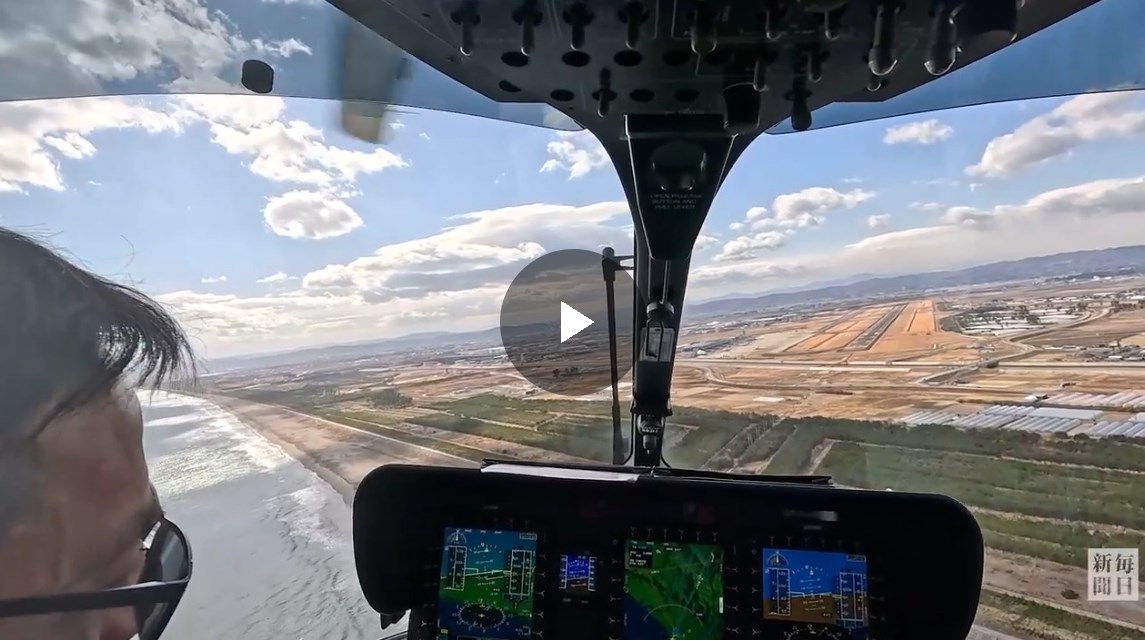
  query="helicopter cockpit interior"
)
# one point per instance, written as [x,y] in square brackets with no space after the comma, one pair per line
[676,91]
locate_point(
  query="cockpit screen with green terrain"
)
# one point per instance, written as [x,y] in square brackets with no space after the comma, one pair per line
[673,591]
[486,587]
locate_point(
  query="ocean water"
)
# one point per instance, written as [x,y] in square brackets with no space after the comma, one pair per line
[271,542]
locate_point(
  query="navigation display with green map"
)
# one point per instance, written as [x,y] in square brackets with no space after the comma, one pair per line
[673,591]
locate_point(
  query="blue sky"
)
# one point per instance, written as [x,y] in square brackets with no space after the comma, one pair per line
[264,227]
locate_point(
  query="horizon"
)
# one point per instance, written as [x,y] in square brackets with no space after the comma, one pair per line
[811,288]
[288,279]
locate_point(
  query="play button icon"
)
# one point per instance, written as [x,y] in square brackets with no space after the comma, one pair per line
[554,323]
[572,322]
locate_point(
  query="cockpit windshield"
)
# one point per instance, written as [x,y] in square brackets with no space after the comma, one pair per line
[84,48]
[946,295]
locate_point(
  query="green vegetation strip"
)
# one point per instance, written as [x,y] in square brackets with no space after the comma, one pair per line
[1054,617]
[583,447]
[1065,493]
[501,409]
[795,453]
[768,443]
[584,429]
[1057,541]
[371,422]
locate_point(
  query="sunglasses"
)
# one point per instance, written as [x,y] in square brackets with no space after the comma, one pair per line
[166,572]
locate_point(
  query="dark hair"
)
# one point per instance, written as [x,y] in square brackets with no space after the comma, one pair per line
[67,337]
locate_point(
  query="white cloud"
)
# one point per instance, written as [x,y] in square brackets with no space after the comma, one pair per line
[806,208]
[77,47]
[455,278]
[451,280]
[575,152]
[309,214]
[483,248]
[937,182]
[213,279]
[745,247]
[425,136]
[300,2]
[705,241]
[1093,215]
[769,229]
[929,207]
[291,151]
[879,221]
[35,135]
[922,132]
[84,47]
[1080,119]
[276,278]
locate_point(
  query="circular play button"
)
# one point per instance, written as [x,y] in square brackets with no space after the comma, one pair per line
[554,323]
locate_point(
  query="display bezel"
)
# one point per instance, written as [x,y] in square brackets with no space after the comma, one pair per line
[896,532]
[742,575]
[428,624]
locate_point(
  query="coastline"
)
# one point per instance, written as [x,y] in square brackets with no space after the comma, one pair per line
[340,456]
[343,486]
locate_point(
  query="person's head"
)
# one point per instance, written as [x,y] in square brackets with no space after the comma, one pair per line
[75,496]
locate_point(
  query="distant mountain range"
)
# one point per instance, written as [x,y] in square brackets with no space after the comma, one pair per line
[1120,259]
[1126,259]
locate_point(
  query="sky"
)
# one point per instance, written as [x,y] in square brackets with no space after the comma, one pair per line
[262,226]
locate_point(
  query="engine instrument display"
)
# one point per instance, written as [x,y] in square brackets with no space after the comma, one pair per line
[487,584]
[578,574]
[673,591]
[817,587]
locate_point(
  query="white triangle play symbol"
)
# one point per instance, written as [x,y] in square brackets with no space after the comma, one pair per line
[572,322]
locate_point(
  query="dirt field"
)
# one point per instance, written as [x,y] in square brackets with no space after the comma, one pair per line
[1093,379]
[1121,326]
[1047,580]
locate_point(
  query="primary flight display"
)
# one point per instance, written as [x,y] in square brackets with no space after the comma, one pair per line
[486,589]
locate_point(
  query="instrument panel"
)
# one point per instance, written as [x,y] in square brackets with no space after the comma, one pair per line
[650,584]
[602,561]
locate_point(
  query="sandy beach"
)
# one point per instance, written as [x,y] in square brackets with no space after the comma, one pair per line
[338,454]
